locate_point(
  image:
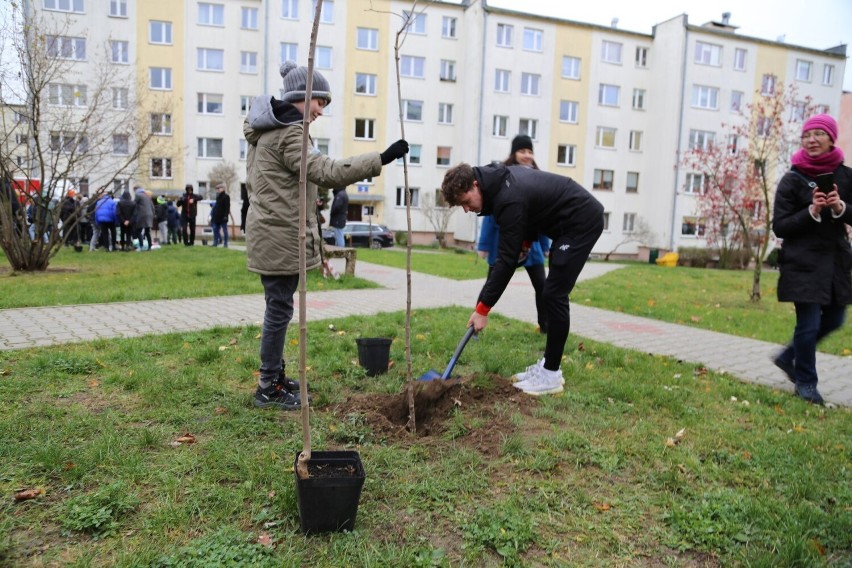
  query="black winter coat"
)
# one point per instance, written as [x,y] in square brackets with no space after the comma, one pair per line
[339,209]
[815,258]
[222,208]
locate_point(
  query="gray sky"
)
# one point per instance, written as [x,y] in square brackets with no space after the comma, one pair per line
[818,24]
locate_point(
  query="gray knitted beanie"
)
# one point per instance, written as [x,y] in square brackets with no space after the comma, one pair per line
[295,83]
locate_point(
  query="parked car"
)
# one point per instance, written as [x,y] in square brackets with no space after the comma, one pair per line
[358,234]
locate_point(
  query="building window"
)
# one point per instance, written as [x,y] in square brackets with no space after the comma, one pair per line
[828,75]
[628,222]
[500,126]
[64,47]
[323,56]
[444,156]
[701,139]
[210,104]
[504,35]
[118,8]
[243,148]
[160,32]
[119,186]
[708,54]
[694,184]
[797,111]
[501,80]
[632,185]
[367,38]
[161,168]
[605,137]
[415,196]
[120,98]
[569,111]
[606,221]
[248,18]
[120,144]
[322,145]
[209,147]
[245,105]
[414,153]
[448,70]
[211,14]
[803,70]
[412,110]
[69,143]
[740,59]
[290,9]
[570,67]
[608,95]
[692,227]
[161,124]
[532,39]
[603,180]
[767,84]
[119,51]
[636,140]
[445,113]
[822,109]
[365,129]
[705,97]
[211,59]
[75,6]
[639,99]
[611,52]
[530,84]
[733,143]
[289,52]
[248,62]
[448,27]
[365,84]
[326,12]
[764,126]
[410,66]
[416,22]
[528,126]
[737,100]
[566,155]
[641,57]
[66,95]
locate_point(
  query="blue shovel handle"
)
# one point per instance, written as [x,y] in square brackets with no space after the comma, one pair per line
[459,349]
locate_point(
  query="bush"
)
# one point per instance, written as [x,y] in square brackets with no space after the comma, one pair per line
[401,238]
[734,259]
[695,256]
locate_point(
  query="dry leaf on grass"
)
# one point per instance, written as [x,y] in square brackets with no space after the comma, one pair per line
[672,442]
[603,506]
[266,540]
[185,439]
[27,494]
[232,342]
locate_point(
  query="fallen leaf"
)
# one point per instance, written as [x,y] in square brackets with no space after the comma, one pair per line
[581,346]
[255,374]
[682,468]
[257,336]
[798,428]
[27,494]
[746,455]
[69,466]
[220,410]
[778,409]
[699,371]
[680,433]
[652,303]
[265,539]
[603,506]
[232,342]
[694,319]
[186,439]
[590,366]
[818,546]
[420,336]
[94,383]
[223,348]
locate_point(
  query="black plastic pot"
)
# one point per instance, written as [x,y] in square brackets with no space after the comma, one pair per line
[328,502]
[374,354]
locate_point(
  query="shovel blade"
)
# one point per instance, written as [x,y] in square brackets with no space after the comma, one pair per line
[430,375]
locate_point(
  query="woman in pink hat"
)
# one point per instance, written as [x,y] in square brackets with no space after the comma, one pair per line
[811,214]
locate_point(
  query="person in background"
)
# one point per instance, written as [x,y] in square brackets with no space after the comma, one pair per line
[489,234]
[244,207]
[126,213]
[144,217]
[188,203]
[338,214]
[274,131]
[161,218]
[173,217]
[815,259]
[220,215]
[68,217]
[85,222]
[104,223]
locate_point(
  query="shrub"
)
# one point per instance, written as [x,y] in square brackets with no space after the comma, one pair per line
[401,238]
[695,256]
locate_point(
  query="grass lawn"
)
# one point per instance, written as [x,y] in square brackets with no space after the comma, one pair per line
[595,476]
[455,264]
[168,273]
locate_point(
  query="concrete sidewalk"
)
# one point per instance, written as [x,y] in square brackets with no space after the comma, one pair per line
[747,359]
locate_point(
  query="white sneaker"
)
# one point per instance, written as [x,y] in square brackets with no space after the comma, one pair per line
[523,375]
[543,382]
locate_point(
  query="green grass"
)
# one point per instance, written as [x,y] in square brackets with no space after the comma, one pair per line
[168,273]
[455,264]
[717,300]
[584,478]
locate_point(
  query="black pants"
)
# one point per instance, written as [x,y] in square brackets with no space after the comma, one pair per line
[144,233]
[188,228]
[568,256]
[537,278]
[126,236]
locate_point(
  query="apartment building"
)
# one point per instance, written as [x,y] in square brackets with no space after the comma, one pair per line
[613,109]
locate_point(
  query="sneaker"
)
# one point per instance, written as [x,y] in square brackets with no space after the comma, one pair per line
[542,382]
[810,393]
[788,368]
[277,397]
[522,376]
[289,385]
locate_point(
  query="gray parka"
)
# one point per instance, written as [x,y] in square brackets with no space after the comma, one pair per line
[273,130]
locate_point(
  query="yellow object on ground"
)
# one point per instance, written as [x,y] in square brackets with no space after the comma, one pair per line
[668,259]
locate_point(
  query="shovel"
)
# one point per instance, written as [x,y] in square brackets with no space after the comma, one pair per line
[432,374]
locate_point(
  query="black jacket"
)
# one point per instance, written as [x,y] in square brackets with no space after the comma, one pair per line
[526,202]
[815,258]
[222,208]
[339,208]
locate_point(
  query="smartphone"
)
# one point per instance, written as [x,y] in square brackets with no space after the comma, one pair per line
[825,182]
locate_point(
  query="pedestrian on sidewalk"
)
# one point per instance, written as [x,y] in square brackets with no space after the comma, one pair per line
[188,203]
[337,215]
[220,215]
[815,259]
[525,203]
[274,132]
[489,233]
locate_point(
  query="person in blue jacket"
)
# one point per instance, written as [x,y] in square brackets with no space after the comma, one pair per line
[489,233]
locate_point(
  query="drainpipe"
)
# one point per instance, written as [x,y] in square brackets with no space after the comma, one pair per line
[266,46]
[679,134]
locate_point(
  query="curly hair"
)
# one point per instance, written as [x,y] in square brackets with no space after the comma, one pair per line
[457,181]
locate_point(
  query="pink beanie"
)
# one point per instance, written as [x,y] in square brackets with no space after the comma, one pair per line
[823,122]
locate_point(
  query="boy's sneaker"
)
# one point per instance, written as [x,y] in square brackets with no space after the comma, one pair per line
[276,397]
[523,375]
[542,381]
[288,384]
[788,368]
[810,393]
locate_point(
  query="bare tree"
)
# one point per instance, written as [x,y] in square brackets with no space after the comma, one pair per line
[438,215]
[66,123]
[224,173]
[643,234]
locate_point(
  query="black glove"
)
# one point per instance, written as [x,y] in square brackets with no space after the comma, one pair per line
[395,151]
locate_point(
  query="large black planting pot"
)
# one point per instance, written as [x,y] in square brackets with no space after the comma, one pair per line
[328,499]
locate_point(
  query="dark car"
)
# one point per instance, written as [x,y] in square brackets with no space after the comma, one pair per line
[357,234]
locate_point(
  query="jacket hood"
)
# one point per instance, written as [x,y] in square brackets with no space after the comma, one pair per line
[268,113]
[491,179]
